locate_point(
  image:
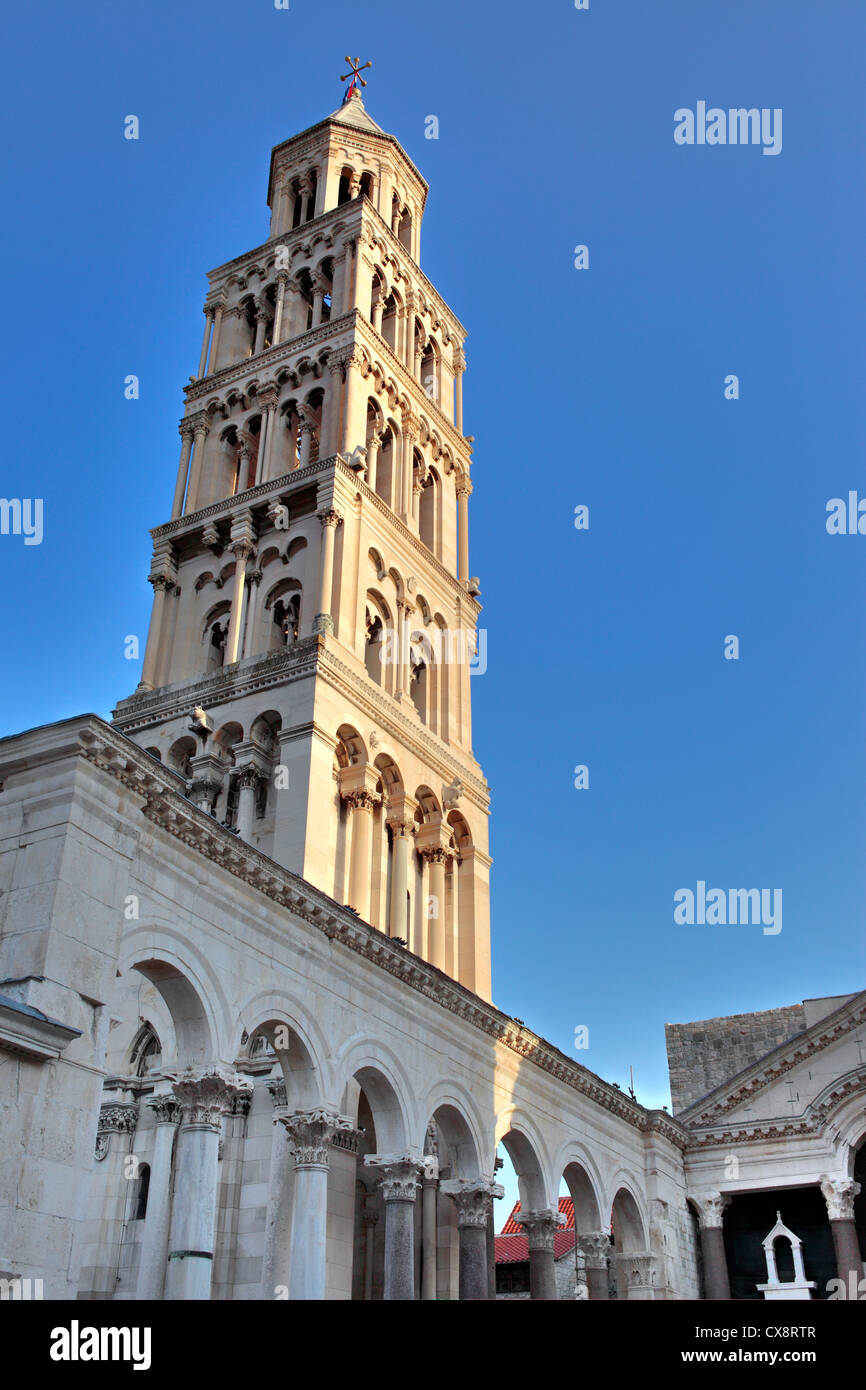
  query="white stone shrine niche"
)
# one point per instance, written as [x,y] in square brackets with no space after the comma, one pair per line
[797,1288]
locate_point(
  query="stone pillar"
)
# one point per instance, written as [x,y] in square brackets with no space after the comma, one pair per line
[491,1249]
[305,430]
[355,407]
[595,1248]
[203,1096]
[429,1189]
[182,469]
[459,369]
[154,1244]
[282,282]
[319,290]
[410,433]
[399,1183]
[372,460]
[463,491]
[261,325]
[330,520]
[473,1201]
[362,802]
[435,857]
[378,309]
[309,1133]
[711,1207]
[163,584]
[205,342]
[839,1194]
[636,1274]
[245,453]
[401,840]
[266,438]
[215,340]
[115,1137]
[401,683]
[249,780]
[254,579]
[369,1220]
[540,1227]
[278,1215]
[201,430]
[242,548]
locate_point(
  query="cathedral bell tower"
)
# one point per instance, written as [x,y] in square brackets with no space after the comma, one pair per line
[308,662]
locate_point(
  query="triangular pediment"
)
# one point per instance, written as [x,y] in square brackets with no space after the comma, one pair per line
[791,1081]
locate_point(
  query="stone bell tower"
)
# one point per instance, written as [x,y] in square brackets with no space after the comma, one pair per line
[307,670]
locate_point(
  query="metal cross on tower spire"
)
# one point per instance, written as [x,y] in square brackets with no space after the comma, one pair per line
[355,72]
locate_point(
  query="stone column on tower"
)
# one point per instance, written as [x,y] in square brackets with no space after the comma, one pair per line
[201,429]
[399,1179]
[711,1209]
[541,1228]
[242,546]
[163,577]
[459,369]
[839,1195]
[203,1096]
[330,520]
[402,831]
[309,1133]
[205,344]
[186,435]
[464,489]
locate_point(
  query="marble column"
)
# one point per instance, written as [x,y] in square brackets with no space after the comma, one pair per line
[330,520]
[201,429]
[839,1194]
[541,1227]
[242,550]
[253,584]
[373,448]
[435,857]
[473,1199]
[261,312]
[115,1137]
[265,468]
[278,1214]
[309,1133]
[459,368]
[186,435]
[163,584]
[401,842]
[203,1097]
[154,1244]
[463,491]
[399,1180]
[215,340]
[279,309]
[429,1191]
[595,1247]
[362,803]
[205,344]
[249,779]
[368,1221]
[711,1207]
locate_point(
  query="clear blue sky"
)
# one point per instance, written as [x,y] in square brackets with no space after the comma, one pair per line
[602,387]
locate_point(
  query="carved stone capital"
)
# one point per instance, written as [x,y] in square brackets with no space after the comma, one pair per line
[165,1107]
[595,1247]
[435,854]
[205,1095]
[117,1119]
[472,1198]
[310,1133]
[399,1175]
[839,1194]
[639,1270]
[361,799]
[329,517]
[277,1087]
[540,1227]
[711,1207]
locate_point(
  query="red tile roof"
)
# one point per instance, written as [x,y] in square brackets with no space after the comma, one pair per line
[512,1246]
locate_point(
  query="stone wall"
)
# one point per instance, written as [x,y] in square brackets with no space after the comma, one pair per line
[705,1054]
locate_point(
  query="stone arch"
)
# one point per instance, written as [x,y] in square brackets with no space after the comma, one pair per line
[382,1079]
[195,1029]
[525,1147]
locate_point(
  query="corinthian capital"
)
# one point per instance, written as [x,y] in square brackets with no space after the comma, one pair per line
[399,1175]
[595,1248]
[540,1227]
[310,1132]
[472,1198]
[711,1206]
[839,1194]
[204,1095]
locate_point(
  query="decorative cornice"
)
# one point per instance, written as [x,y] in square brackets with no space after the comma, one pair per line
[811,1124]
[166,807]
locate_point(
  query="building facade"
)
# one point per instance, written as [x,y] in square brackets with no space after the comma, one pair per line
[250,1049]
